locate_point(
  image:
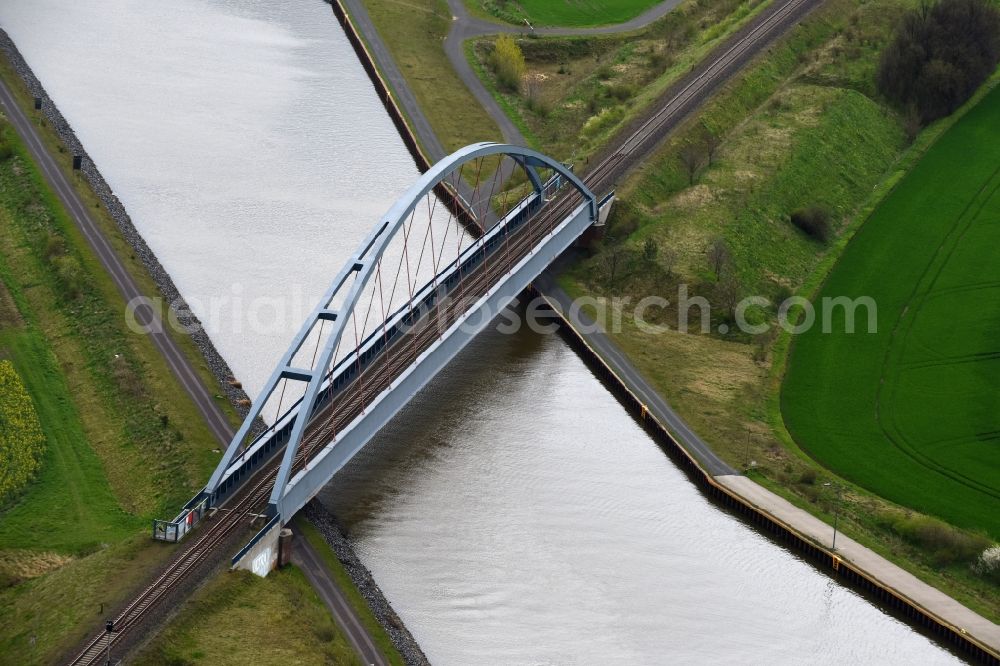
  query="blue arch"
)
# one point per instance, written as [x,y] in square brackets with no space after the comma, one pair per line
[361,267]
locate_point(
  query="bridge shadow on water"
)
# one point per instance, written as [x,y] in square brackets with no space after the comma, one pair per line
[493,368]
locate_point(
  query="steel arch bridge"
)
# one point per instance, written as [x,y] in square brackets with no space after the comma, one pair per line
[416,291]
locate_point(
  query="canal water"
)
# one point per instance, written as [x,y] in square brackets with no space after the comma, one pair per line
[514,513]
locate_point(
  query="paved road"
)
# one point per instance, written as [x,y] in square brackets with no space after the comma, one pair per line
[308,560]
[177,361]
[394,77]
[465,27]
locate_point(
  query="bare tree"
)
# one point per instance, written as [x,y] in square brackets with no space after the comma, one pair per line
[612,261]
[719,256]
[712,143]
[668,258]
[692,156]
[730,292]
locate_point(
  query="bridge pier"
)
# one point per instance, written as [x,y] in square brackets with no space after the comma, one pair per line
[260,556]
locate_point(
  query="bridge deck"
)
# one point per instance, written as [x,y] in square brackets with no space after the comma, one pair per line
[385,357]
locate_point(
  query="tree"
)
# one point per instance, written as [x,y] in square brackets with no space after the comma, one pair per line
[612,259]
[649,251]
[668,258]
[719,256]
[939,54]
[813,221]
[730,292]
[507,62]
[712,142]
[692,156]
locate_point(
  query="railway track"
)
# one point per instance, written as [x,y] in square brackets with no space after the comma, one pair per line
[702,81]
[348,404]
[340,411]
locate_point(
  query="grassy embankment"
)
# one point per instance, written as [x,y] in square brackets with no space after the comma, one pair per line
[911,412]
[560,13]
[121,246]
[579,92]
[801,127]
[212,626]
[239,618]
[414,33]
[306,530]
[122,442]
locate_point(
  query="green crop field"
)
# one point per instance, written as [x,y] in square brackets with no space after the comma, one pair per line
[574,13]
[913,411]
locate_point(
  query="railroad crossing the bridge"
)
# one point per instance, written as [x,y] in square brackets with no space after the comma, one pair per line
[417,290]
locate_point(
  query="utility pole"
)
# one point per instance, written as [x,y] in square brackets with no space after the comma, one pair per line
[836,513]
[746,454]
[109,626]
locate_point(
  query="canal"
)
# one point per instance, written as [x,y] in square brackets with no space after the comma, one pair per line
[514,513]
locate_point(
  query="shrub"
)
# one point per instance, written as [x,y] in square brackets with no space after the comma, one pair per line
[988,564]
[945,543]
[507,62]
[649,251]
[70,275]
[602,121]
[54,245]
[621,92]
[939,55]
[21,440]
[814,222]
[808,477]
[538,107]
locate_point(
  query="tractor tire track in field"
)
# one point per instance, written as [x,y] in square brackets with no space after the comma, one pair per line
[886,416]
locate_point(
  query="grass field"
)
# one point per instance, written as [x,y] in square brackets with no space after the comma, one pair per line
[75,539]
[572,13]
[100,391]
[63,597]
[913,412]
[239,618]
[211,626]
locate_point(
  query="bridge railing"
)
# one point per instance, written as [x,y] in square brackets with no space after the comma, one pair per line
[306,482]
[370,345]
[270,442]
